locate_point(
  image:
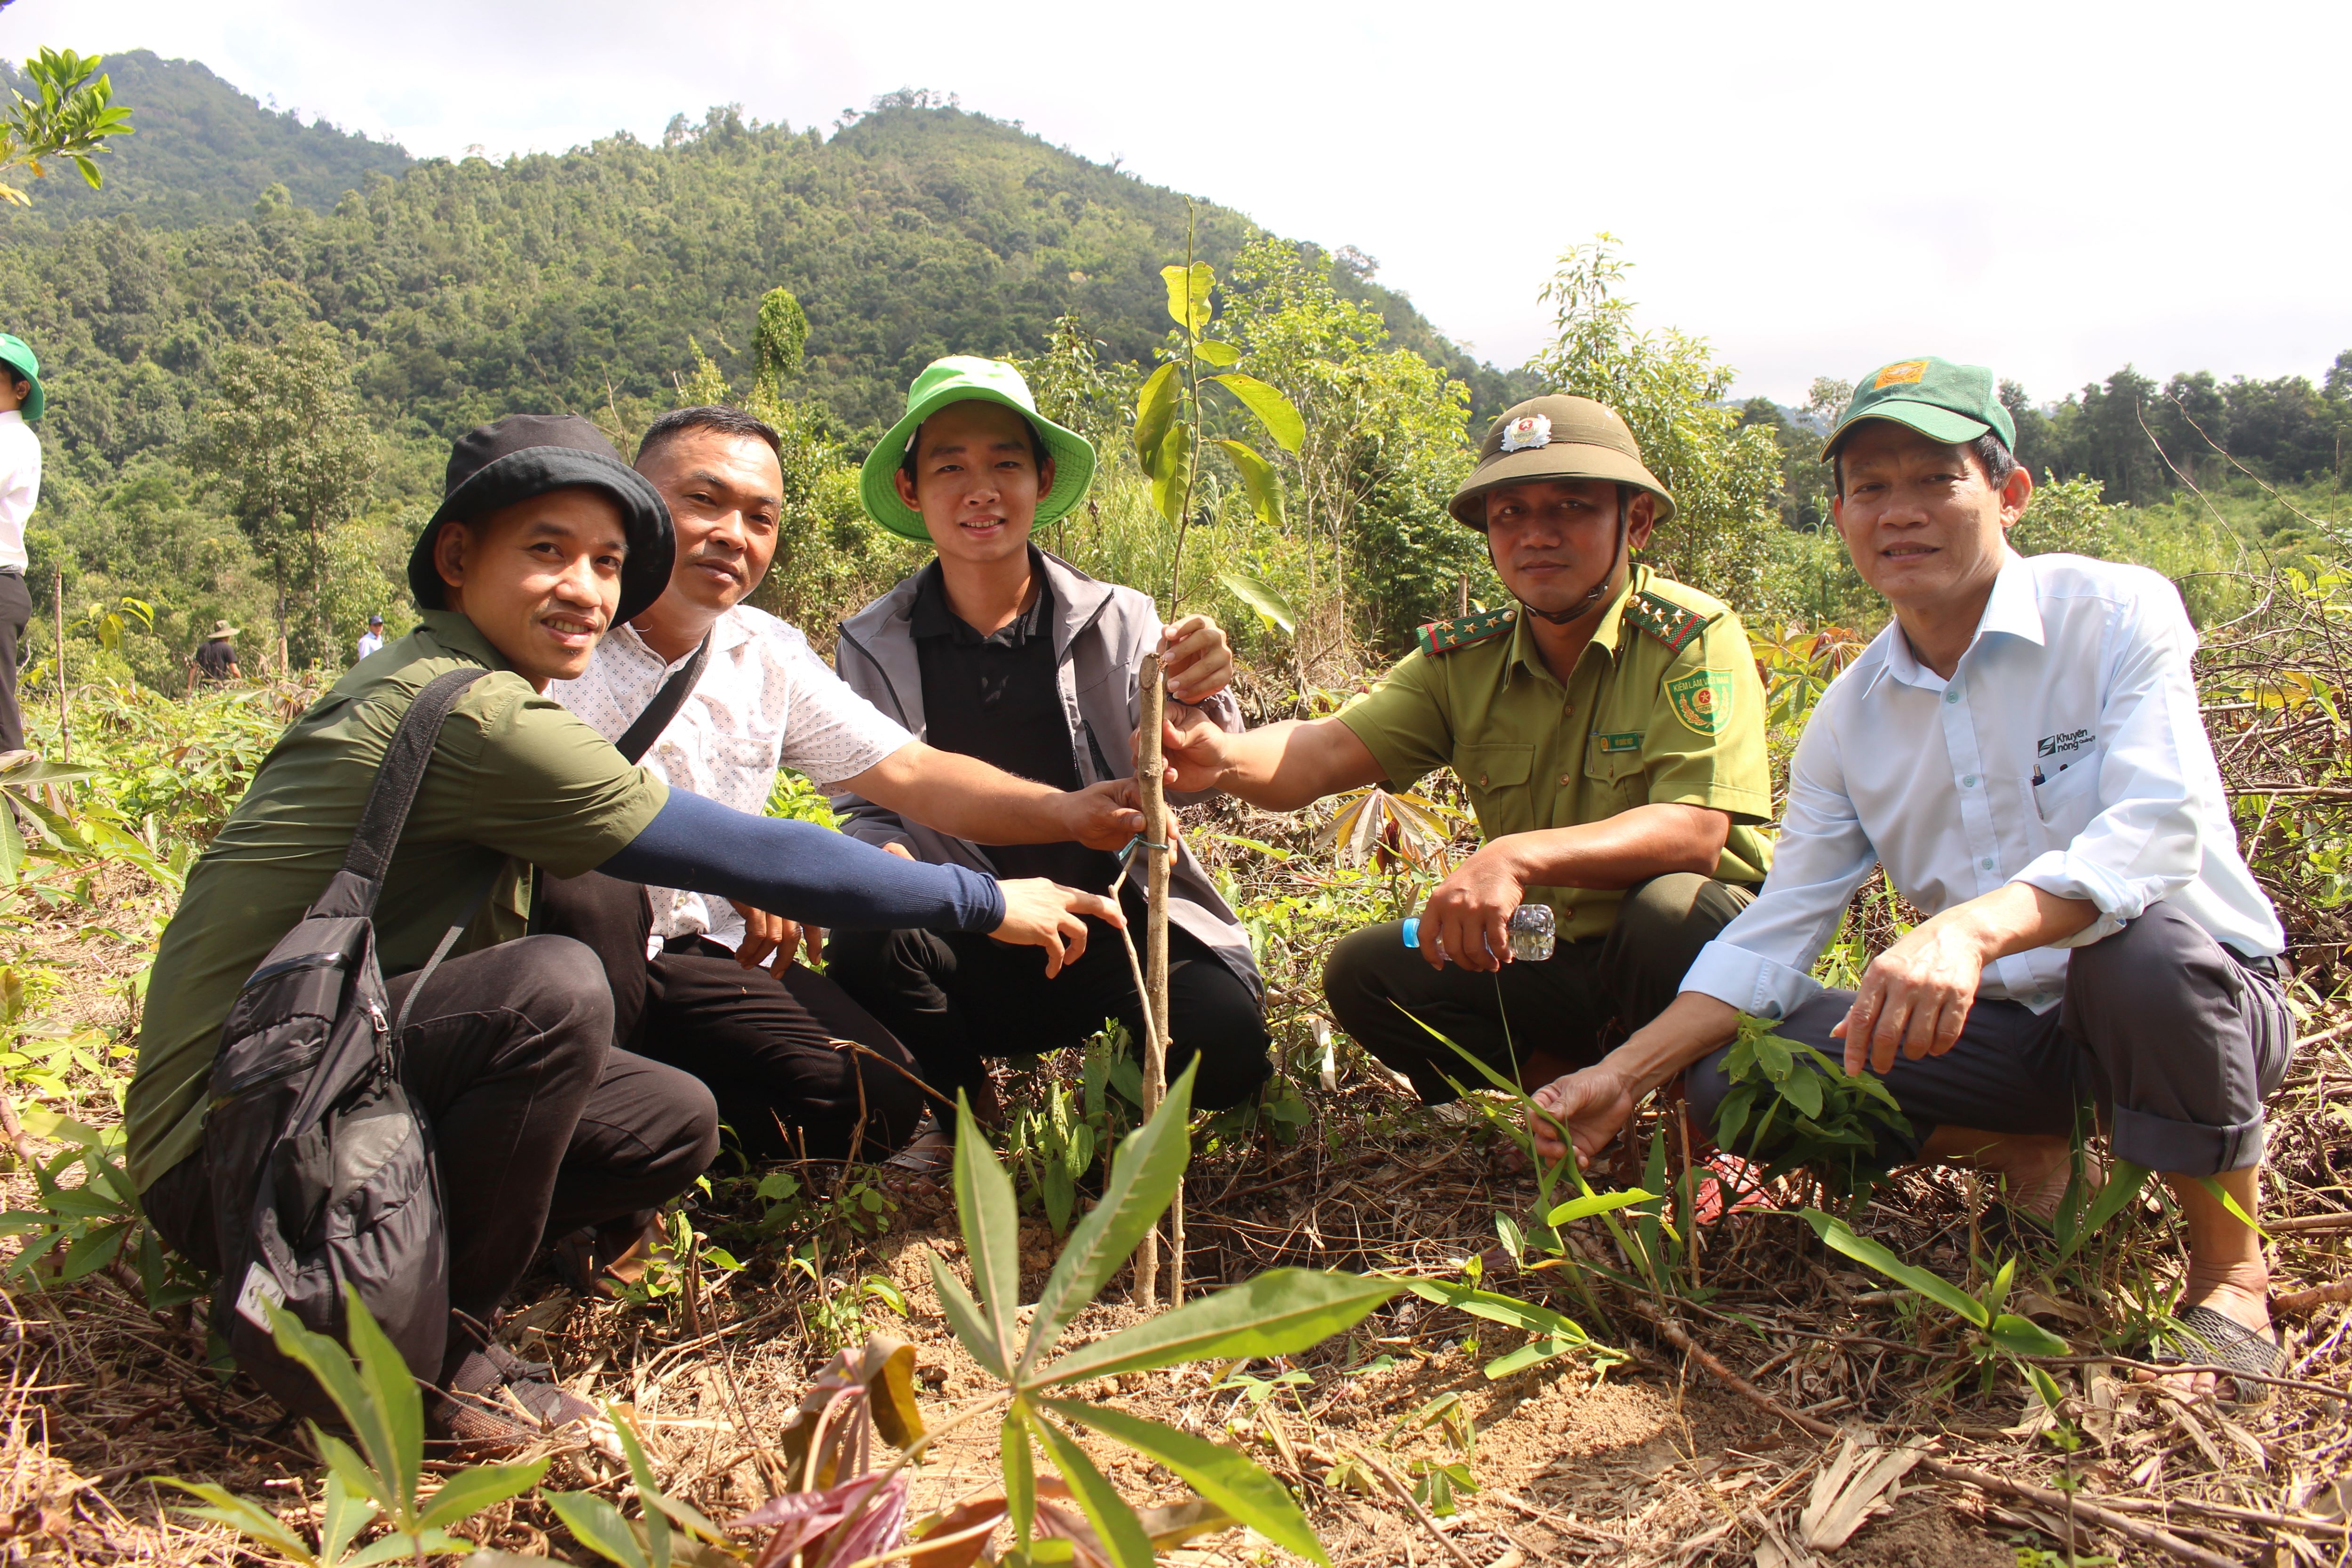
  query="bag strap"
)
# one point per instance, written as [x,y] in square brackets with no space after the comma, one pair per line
[396,780]
[646,727]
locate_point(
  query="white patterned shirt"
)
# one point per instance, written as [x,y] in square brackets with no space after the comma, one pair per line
[20,484]
[2066,751]
[764,700]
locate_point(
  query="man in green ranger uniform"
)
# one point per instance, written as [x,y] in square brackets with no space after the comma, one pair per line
[1608,727]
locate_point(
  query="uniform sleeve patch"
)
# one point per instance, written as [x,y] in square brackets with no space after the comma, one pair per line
[1445,636]
[1701,700]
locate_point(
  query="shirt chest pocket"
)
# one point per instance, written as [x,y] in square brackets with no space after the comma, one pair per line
[1497,775]
[2066,801]
[1615,779]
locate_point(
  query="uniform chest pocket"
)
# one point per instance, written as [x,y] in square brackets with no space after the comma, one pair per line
[1495,776]
[1617,780]
[2067,800]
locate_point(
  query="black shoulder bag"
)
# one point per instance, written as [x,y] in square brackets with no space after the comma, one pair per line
[322,1172]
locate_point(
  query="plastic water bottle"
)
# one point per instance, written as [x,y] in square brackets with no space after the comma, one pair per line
[1533,932]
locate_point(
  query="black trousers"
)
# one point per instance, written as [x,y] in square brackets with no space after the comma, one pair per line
[798,1069]
[957,998]
[15,614]
[2168,1037]
[1565,1007]
[539,1126]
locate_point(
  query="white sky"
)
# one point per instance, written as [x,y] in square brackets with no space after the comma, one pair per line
[2052,188]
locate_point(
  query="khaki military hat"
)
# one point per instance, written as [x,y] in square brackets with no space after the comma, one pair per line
[1556,438]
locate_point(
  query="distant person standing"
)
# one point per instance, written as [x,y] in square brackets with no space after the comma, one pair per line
[216,658]
[371,638]
[21,403]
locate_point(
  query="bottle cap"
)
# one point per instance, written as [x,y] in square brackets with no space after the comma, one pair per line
[1412,930]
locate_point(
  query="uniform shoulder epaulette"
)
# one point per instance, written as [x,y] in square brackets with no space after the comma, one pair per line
[1664,620]
[1445,636]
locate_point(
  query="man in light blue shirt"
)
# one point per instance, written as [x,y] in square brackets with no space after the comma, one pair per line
[2022,750]
[371,638]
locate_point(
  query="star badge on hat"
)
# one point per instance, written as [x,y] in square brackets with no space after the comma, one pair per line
[1527,433]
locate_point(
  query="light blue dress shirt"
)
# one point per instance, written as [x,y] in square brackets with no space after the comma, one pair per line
[2066,751]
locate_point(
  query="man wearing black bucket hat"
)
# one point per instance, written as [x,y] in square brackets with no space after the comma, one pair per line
[1609,729]
[544,537]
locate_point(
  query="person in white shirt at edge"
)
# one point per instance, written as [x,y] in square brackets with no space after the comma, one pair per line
[371,638]
[22,401]
[2022,750]
[767,1041]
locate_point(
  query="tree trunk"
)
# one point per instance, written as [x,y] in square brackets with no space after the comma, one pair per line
[277,565]
[57,594]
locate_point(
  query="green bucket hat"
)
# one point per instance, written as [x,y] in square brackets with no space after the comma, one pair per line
[1953,404]
[16,351]
[1554,438]
[957,379]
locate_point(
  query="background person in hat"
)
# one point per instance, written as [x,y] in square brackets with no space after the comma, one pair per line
[22,402]
[371,638]
[215,656]
[1608,727]
[1002,652]
[2022,750]
[544,537]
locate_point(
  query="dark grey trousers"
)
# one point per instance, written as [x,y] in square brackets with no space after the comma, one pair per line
[1571,1006]
[2171,1038]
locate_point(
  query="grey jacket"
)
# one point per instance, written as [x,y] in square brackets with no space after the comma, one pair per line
[1102,632]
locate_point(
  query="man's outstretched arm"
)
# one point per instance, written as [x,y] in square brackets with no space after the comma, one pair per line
[814,874]
[964,798]
[1278,767]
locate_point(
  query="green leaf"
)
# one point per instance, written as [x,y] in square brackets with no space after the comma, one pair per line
[1273,410]
[246,1516]
[1803,1089]
[1120,1533]
[2046,1386]
[407,1549]
[1215,352]
[345,1461]
[1258,481]
[972,1330]
[1554,1334]
[326,1360]
[1145,1171]
[2231,1203]
[12,848]
[1020,1474]
[1170,480]
[1188,296]
[1535,1353]
[1156,403]
[598,1526]
[1280,1312]
[1995,1295]
[395,1439]
[991,1218]
[469,1491]
[1262,597]
[2125,1180]
[1596,1203]
[1225,1477]
[656,1528]
[2023,1336]
[342,1517]
[1840,1237]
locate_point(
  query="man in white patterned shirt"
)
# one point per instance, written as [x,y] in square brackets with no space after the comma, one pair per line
[2022,750]
[769,1042]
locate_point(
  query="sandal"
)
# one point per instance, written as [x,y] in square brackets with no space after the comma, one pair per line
[498,1404]
[2209,1338]
[926,1161]
[597,1262]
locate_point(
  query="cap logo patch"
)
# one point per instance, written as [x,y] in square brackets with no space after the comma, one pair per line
[1895,374]
[1527,433]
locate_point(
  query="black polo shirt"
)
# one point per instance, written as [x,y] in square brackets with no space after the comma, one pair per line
[996,698]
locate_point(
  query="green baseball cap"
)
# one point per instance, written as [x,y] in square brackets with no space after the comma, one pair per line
[957,379]
[15,351]
[1954,403]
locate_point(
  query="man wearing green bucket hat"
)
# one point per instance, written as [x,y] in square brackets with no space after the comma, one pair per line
[1003,652]
[21,403]
[1609,729]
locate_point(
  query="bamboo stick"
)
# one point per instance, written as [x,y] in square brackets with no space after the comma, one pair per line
[1153,786]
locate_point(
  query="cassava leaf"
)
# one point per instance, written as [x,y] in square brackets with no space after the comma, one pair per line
[1279,1312]
[991,1218]
[1120,1533]
[1225,1477]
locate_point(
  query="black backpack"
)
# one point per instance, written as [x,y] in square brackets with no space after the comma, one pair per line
[322,1172]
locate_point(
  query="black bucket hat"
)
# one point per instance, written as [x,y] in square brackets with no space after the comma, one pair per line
[527,455]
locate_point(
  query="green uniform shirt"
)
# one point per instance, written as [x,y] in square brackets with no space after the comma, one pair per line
[1665,705]
[516,781]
